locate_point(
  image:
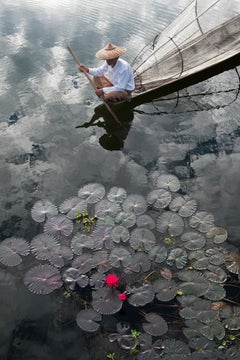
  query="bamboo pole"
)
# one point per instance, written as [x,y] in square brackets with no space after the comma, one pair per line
[93,85]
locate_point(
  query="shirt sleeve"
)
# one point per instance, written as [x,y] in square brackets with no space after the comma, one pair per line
[99,71]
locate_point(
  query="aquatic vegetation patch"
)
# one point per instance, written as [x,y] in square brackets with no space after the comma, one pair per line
[116,254]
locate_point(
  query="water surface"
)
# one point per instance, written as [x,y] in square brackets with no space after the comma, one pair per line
[43,155]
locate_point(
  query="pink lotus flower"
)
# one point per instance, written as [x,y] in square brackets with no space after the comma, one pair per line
[112,280]
[122,296]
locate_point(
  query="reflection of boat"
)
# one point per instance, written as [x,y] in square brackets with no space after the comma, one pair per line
[189,50]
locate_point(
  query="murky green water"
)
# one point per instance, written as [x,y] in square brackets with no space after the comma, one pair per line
[43,155]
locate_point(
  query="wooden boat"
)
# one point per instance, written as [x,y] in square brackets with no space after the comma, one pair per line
[177,58]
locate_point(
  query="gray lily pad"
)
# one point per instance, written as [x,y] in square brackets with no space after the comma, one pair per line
[184,205]
[141,295]
[120,256]
[73,276]
[169,182]
[81,241]
[177,257]
[91,193]
[105,301]
[12,249]
[83,263]
[170,222]
[101,236]
[43,279]
[120,233]
[140,261]
[72,206]
[233,262]
[135,203]
[215,274]
[43,209]
[146,221]
[126,219]
[107,208]
[58,225]
[175,350]
[117,194]
[215,292]
[61,256]
[159,198]
[193,240]
[216,256]
[165,290]
[88,319]
[194,283]
[143,239]
[202,221]
[43,246]
[231,317]
[218,234]
[156,325]
[158,253]
[212,330]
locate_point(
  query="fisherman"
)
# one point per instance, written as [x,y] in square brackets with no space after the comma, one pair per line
[114,80]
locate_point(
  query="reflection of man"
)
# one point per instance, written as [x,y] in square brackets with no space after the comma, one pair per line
[115,135]
[114,79]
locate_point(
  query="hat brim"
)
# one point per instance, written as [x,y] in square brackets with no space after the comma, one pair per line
[104,54]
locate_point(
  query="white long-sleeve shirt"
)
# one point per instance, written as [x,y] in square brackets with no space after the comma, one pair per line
[121,75]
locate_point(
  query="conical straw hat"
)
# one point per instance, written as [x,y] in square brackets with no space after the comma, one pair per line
[110,51]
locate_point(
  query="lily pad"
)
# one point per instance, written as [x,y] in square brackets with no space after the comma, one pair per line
[142,238]
[202,221]
[159,198]
[72,206]
[92,193]
[140,262]
[44,245]
[58,225]
[120,233]
[83,263]
[81,241]
[135,203]
[193,240]
[140,295]
[165,290]
[12,249]
[117,194]
[175,350]
[120,256]
[218,234]
[177,257]
[215,274]
[107,208]
[43,209]
[184,205]
[42,279]
[169,182]
[170,222]
[146,221]
[126,219]
[61,256]
[73,276]
[101,236]
[158,253]
[105,301]
[156,325]
[88,319]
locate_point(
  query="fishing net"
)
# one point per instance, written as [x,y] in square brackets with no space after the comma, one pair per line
[204,34]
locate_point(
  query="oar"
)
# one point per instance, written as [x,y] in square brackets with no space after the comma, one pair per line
[93,85]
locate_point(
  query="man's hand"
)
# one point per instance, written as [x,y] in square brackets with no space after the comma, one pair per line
[99,92]
[83,68]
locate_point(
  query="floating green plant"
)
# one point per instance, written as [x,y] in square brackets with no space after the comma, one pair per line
[88,222]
